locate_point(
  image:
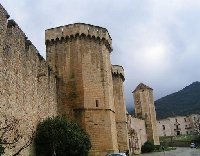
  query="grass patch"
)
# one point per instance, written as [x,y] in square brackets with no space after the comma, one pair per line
[162,148]
[179,138]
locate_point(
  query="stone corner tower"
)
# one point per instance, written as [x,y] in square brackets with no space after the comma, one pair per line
[145,109]
[79,54]
[120,107]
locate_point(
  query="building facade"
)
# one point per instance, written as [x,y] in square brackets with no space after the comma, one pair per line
[77,80]
[179,125]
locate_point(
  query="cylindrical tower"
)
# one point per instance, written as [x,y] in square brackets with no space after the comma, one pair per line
[79,54]
[145,109]
[120,107]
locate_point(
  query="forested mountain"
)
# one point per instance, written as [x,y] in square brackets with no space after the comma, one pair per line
[183,102]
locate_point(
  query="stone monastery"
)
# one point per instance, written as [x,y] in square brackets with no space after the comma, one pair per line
[77,80]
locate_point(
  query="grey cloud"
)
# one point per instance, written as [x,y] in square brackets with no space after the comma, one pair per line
[156,41]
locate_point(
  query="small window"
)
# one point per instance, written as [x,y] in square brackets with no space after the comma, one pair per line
[185,119]
[97,103]
[163,126]
[176,120]
[187,132]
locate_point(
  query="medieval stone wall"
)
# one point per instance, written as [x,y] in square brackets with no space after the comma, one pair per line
[77,80]
[80,55]
[137,134]
[28,86]
[120,107]
[145,109]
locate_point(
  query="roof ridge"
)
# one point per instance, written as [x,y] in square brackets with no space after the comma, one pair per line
[142,86]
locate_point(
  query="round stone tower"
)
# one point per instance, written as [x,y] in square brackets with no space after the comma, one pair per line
[79,54]
[120,107]
[145,109]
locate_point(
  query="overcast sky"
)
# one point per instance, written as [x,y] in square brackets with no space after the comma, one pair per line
[156,41]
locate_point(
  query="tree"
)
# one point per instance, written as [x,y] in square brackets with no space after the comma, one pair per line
[59,137]
[197,126]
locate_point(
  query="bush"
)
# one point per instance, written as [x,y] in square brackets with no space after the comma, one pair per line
[57,136]
[1,148]
[147,147]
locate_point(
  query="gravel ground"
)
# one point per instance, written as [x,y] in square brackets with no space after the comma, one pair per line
[177,152]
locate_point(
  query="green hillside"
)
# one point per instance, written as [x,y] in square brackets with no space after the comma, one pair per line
[183,102]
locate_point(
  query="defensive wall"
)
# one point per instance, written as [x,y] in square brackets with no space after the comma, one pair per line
[28,86]
[79,54]
[76,80]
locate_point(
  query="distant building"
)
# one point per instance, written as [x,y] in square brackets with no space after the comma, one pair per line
[179,125]
[145,109]
[143,126]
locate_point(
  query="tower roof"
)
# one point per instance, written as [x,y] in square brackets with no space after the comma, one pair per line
[142,86]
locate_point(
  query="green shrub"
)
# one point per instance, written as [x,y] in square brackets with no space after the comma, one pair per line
[57,136]
[147,147]
[1,148]
[157,147]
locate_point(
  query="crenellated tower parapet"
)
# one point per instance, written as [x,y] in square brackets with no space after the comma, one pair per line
[118,70]
[78,30]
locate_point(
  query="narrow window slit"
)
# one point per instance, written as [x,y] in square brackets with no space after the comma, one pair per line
[97,103]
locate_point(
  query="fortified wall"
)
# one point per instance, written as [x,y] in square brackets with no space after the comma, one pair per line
[28,86]
[137,134]
[80,55]
[77,80]
[120,107]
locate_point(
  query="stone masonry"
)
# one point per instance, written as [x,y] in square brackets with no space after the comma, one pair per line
[137,134]
[77,80]
[120,107]
[145,109]
[79,55]
[28,86]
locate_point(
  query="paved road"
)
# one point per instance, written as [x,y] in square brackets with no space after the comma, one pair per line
[177,152]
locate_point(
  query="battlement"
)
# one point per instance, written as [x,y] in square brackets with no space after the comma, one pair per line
[16,30]
[118,70]
[18,34]
[77,30]
[3,11]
